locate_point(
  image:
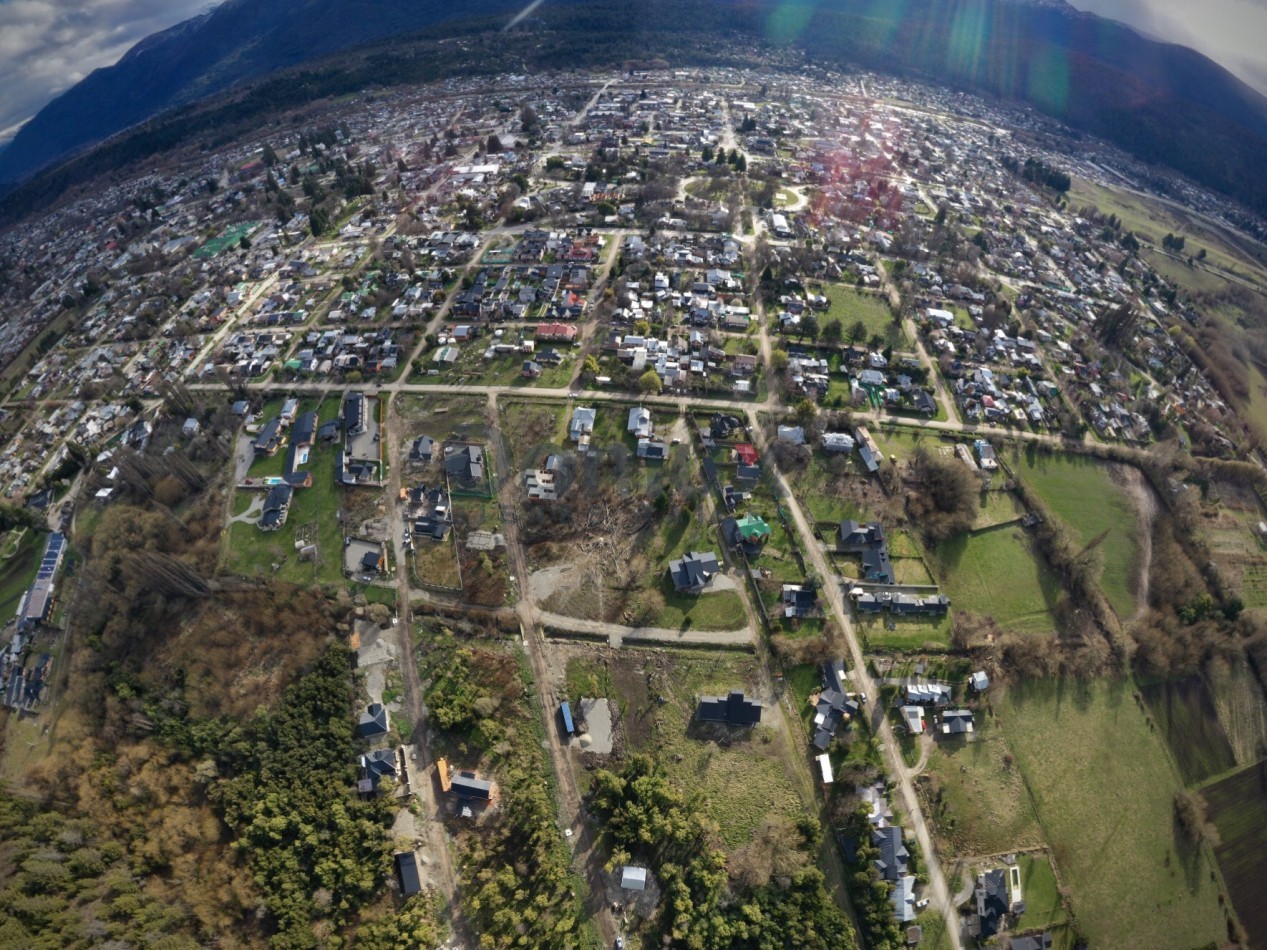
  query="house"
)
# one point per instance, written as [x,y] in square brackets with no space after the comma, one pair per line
[903,899]
[191,428]
[407,871]
[992,902]
[652,450]
[373,722]
[543,483]
[556,332]
[582,426]
[276,507]
[633,878]
[374,767]
[531,370]
[304,430]
[869,541]
[913,719]
[799,600]
[422,449]
[979,681]
[269,438]
[746,453]
[837,442]
[793,434]
[464,463]
[753,529]
[891,862]
[640,422]
[921,693]
[956,722]
[692,572]
[733,709]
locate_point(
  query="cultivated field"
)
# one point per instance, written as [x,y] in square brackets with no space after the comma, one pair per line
[1104,789]
[1238,808]
[997,573]
[1091,500]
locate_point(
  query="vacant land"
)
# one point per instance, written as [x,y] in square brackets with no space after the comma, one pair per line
[1185,712]
[1091,500]
[1104,789]
[997,573]
[977,794]
[850,306]
[744,776]
[904,634]
[17,573]
[1238,808]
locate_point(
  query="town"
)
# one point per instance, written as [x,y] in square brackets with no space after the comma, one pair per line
[861,471]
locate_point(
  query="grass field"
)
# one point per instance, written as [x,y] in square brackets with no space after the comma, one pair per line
[996,573]
[743,782]
[1087,498]
[17,573]
[1185,712]
[1103,788]
[978,795]
[849,305]
[904,634]
[1238,808]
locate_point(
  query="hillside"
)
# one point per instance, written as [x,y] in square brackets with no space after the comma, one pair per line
[1163,103]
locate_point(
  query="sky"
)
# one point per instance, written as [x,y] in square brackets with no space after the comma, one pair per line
[1230,32]
[46,46]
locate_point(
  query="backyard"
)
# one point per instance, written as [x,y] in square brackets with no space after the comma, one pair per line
[997,573]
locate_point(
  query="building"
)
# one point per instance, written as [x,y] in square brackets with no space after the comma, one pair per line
[269,438]
[276,507]
[582,426]
[692,572]
[640,422]
[868,541]
[373,722]
[407,872]
[633,878]
[733,709]
[956,722]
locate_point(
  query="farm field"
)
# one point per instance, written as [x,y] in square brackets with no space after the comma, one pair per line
[1237,550]
[1238,808]
[996,573]
[1104,789]
[744,781]
[1185,713]
[1090,500]
[977,796]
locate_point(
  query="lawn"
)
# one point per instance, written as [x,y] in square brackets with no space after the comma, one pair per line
[823,488]
[997,573]
[1088,498]
[849,305]
[1103,788]
[1238,808]
[1041,892]
[904,634]
[532,430]
[977,794]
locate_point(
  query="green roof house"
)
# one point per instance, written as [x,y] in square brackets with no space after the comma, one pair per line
[753,528]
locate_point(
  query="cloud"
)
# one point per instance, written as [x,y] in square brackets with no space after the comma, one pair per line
[1228,31]
[46,46]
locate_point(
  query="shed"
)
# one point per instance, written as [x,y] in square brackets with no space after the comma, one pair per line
[566,713]
[633,878]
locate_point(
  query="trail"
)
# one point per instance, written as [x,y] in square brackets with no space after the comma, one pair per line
[1145,502]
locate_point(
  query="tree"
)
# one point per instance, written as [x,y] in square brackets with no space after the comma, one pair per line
[493,145]
[650,382]
[857,331]
[833,332]
[590,367]
[809,326]
[778,360]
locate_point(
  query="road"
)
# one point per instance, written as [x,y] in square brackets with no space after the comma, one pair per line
[908,801]
[419,747]
[571,812]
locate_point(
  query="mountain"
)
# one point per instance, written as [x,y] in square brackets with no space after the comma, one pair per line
[238,40]
[1164,103]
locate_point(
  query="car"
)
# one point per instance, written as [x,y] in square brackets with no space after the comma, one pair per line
[620,943]
[921,904]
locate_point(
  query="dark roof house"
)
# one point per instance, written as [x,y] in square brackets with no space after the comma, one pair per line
[407,869]
[992,901]
[693,571]
[734,709]
[373,722]
[893,854]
